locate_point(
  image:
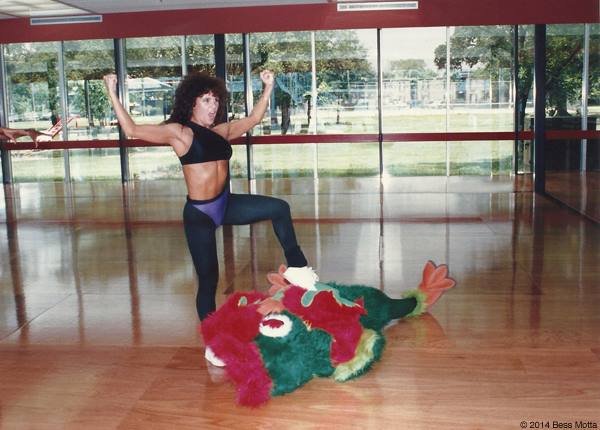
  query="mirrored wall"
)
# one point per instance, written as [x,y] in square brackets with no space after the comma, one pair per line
[573,103]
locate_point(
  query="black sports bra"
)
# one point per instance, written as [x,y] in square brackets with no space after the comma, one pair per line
[206,146]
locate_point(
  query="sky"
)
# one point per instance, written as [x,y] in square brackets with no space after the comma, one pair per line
[404,43]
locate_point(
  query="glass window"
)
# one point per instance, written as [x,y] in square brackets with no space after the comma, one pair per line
[348,159]
[564,71]
[347,100]
[236,108]
[346,81]
[86,62]
[283,161]
[481,95]
[413,89]
[154,68]
[565,53]
[564,66]
[525,101]
[481,157]
[289,55]
[593,102]
[200,53]
[89,109]
[33,96]
[301,160]
[234,56]
[414,158]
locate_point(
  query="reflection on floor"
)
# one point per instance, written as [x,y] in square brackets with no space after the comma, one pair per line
[98,325]
[578,190]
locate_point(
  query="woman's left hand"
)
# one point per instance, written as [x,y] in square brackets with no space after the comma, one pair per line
[10,135]
[267,77]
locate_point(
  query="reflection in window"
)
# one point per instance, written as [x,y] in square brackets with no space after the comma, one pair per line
[346,81]
[572,164]
[154,68]
[234,56]
[283,161]
[481,158]
[564,57]
[200,53]
[413,89]
[564,74]
[524,99]
[288,55]
[593,102]
[326,83]
[89,109]
[236,108]
[32,87]
[481,88]
[348,159]
[347,100]
[86,62]
[415,158]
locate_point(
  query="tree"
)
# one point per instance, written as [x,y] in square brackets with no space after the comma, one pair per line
[410,69]
[33,76]
[340,61]
[564,63]
[33,72]
[488,46]
[491,47]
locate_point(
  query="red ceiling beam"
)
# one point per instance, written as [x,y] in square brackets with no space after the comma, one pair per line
[431,13]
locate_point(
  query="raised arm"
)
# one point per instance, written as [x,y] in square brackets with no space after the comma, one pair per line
[237,128]
[162,133]
[12,134]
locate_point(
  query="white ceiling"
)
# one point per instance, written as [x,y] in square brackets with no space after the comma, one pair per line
[42,8]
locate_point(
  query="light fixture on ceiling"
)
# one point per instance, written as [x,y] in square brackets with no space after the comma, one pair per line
[74,19]
[361,6]
[39,8]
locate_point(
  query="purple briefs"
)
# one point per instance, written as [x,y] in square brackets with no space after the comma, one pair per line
[215,207]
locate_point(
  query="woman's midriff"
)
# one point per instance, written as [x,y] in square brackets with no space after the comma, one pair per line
[205,180]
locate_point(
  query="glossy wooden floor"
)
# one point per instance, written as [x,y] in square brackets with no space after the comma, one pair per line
[98,325]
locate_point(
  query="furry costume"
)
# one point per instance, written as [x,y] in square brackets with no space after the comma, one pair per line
[274,343]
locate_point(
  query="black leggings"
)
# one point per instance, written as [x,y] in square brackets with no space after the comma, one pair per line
[241,209]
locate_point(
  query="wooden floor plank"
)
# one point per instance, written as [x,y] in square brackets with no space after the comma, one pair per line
[98,327]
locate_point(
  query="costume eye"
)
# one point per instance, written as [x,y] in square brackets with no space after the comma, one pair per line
[275,325]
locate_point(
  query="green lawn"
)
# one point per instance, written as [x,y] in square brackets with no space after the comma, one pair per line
[339,159]
[400,159]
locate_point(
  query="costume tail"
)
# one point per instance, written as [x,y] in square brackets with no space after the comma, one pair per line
[435,282]
[381,309]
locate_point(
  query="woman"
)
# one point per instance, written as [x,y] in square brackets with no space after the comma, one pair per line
[202,145]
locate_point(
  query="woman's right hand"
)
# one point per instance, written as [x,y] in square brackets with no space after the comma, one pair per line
[110,81]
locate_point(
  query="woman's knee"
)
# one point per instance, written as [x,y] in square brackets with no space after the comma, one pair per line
[281,208]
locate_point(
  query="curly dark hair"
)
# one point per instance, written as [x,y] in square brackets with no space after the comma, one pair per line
[192,86]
